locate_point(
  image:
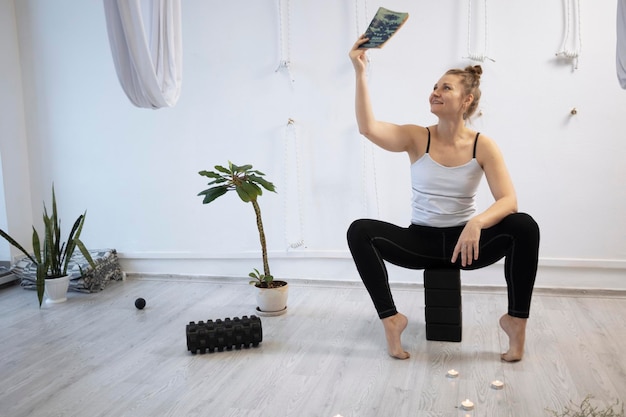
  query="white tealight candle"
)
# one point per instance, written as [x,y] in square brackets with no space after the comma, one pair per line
[467,405]
[497,384]
[452,373]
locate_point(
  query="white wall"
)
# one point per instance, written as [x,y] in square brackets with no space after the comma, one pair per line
[135,170]
[15,214]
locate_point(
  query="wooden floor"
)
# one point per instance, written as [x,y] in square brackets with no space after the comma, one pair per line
[96,355]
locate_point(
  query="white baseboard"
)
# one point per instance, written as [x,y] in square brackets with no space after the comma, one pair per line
[595,274]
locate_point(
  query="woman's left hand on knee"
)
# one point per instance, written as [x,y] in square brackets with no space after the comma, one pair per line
[467,246]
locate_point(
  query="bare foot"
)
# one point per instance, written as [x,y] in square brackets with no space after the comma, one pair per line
[515,328]
[394,326]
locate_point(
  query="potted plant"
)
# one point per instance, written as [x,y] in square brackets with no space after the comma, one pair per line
[248,184]
[53,258]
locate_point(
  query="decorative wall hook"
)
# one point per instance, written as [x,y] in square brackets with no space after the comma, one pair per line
[478,57]
[573,112]
[282,65]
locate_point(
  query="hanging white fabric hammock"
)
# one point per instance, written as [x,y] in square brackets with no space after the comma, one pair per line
[147,53]
[621,42]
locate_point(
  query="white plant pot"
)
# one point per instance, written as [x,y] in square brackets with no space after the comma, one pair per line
[56,289]
[272,301]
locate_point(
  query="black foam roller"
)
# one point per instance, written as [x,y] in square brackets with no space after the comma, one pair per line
[224,334]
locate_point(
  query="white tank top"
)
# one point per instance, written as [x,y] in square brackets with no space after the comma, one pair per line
[444,196]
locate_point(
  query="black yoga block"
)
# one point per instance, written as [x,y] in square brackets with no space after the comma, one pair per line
[443,332]
[224,334]
[443,279]
[442,298]
[443,315]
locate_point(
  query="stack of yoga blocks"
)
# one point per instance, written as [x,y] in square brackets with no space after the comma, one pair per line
[442,296]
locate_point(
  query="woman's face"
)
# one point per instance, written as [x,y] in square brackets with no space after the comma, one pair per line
[448,97]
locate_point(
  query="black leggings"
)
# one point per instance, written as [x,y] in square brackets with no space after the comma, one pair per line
[516,238]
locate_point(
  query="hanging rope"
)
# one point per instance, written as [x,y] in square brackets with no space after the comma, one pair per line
[572,7]
[290,132]
[368,159]
[369,156]
[474,56]
[359,25]
[291,137]
[285,45]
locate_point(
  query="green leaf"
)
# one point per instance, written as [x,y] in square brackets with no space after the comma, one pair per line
[252,189]
[248,191]
[13,242]
[85,253]
[42,268]
[71,243]
[213,193]
[81,222]
[37,246]
[41,282]
[244,168]
[263,182]
[50,245]
[224,170]
[219,180]
[55,217]
[243,194]
[210,174]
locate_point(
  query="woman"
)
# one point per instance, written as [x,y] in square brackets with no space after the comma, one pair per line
[447,163]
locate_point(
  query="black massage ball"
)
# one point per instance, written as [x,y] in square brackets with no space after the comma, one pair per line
[140,303]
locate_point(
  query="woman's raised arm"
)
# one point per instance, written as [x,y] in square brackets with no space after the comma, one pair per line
[389,136]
